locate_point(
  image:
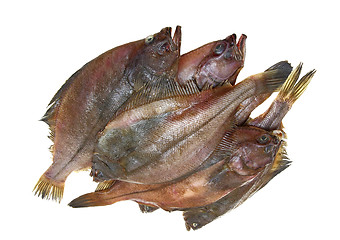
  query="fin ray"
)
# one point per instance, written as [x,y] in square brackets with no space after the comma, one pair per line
[48,189]
[105,185]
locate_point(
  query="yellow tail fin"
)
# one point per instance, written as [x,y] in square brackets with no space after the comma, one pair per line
[49,189]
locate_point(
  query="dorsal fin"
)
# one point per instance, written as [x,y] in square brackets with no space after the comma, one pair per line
[159,89]
[53,106]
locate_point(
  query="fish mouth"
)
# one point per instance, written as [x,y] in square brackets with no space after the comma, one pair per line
[241,46]
[175,43]
[279,141]
[236,51]
[177,38]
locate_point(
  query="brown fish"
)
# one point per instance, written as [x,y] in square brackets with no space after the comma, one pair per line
[246,151]
[196,218]
[89,99]
[164,140]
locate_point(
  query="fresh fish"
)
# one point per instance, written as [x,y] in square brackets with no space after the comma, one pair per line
[246,152]
[162,141]
[271,120]
[90,98]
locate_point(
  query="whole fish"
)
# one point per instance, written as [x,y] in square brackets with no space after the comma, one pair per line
[89,99]
[167,139]
[271,120]
[246,152]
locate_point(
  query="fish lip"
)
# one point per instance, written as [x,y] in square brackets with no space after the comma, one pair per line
[175,41]
[166,31]
[241,45]
[177,38]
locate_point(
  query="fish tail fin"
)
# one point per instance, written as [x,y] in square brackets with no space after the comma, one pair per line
[91,200]
[49,189]
[273,78]
[292,89]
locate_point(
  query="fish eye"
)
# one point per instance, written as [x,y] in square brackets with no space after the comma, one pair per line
[219,49]
[149,39]
[263,139]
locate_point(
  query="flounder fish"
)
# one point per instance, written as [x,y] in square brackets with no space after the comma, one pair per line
[90,97]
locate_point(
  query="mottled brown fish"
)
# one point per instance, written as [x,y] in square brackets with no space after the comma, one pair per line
[89,99]
[246,151]
[163,140]
[271,120]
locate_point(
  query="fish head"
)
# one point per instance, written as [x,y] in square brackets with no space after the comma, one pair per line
[255,149]
[225,61]
[160,52]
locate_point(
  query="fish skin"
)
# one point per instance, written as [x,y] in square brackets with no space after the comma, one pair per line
[214,63]
[179,139]
[270,120]
[244,158]
[92,95]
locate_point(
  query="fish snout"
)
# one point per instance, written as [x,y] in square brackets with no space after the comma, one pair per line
[235,51]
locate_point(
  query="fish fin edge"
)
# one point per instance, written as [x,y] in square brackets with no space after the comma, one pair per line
[105,185]
[48,189]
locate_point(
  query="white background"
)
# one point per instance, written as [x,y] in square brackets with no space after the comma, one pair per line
[42,44]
